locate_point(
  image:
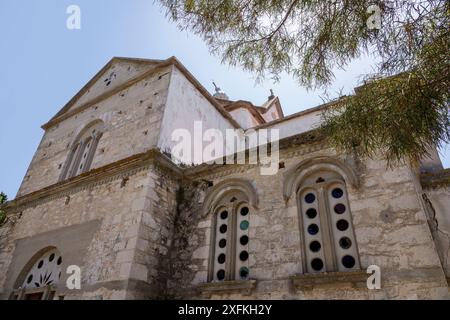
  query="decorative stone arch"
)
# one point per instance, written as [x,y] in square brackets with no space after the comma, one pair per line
[21,277]
[39,276]
[82,149]
[221,189]
[83,129]
[294,177]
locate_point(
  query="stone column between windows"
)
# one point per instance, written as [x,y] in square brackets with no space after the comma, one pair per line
[328,242]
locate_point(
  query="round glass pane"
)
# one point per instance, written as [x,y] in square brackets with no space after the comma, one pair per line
[244,225]
[221,274]
[224,215]
[317,264]
[221,258]
[244,211]
[348,261]
[339,208]
[311,213]
[315,246]
[342,225]
[313,229]
[243,272]
[222,243]
[243,240]
[337,193]
[243,256]
[223,228]
[310,198]
[345,243]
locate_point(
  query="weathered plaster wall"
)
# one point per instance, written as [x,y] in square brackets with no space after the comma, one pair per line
[390,226]
[244,118]
[297,125]
[132,120]
[185,105]
[271,114]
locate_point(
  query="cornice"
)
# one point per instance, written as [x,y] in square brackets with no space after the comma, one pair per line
[154,159]
[435,180]
[121,169]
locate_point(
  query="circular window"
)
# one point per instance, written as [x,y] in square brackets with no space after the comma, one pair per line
[221,274]
[224,215]
[348,261]
[223,228]
[342,225]
[222,243]
[337,193]
[311,213]
[244,225]
[339,208]
[243,272]
[244,211]
[315,246]
[30,278]
[313,229]
[243,240]
[317,264]
[221,258]
[345,243]
[243,256]
[40,264]
[310,198]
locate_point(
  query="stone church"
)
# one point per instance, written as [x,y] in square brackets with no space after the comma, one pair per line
[103,202]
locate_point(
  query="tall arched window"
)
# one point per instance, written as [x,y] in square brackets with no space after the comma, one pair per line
[40,278]
[326,224]
[231,203]
[231,238]
[82,151]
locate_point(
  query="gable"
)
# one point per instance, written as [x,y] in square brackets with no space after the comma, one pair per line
[115,73]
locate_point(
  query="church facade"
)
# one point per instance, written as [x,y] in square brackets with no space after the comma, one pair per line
[105,210]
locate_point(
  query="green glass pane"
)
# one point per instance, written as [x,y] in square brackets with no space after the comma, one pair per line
[244,225]
[243,272]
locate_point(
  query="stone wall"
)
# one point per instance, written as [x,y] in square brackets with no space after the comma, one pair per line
[120,257]
[390,225]
[132,120]
[440,210]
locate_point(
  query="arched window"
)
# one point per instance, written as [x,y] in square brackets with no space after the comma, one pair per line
[232,203]
[326,224]
[231,238]
[82,151]
[40,278]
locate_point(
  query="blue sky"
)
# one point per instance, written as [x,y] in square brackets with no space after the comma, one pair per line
[44,65]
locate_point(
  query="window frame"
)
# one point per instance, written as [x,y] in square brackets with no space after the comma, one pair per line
[329,242]
[231,252]
[86,143]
